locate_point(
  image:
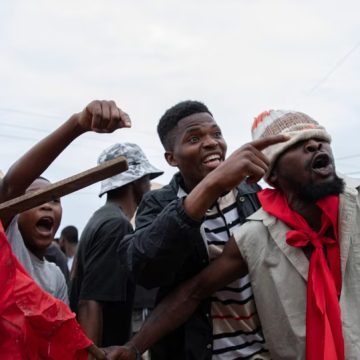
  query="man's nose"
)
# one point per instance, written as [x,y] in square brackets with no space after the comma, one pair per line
[210,141]
[313,145]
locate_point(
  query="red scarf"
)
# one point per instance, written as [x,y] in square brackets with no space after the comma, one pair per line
[324,339]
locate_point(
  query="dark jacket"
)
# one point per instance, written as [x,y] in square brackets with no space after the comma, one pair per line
[166,249]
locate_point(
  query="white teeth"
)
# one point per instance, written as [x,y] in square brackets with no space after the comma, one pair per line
[212,157]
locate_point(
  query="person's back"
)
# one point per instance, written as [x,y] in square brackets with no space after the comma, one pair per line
[101,293]
[99,275]
[183,226]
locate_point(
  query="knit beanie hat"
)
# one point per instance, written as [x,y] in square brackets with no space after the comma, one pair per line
[298,126]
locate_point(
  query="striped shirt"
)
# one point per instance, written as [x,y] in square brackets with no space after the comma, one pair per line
[236,328]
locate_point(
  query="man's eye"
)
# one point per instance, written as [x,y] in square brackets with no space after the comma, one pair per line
[218,134]
[193,139]
[56,201]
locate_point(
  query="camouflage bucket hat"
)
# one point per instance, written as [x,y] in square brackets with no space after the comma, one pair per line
[138,164]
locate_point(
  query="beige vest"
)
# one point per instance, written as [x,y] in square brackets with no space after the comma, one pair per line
[279,272]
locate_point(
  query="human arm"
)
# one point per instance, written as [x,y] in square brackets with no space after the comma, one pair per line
[98,116]
[247,162]
[90,318]
[100,281]
[176,308]
[62,291]
[164,238]
[168,233]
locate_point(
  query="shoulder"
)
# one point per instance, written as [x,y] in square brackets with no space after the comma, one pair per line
[53,269]
[61,289]
[106,211]
[166,193]
[350,181]
[17,244]
[254,225]
[12,231]
[159,198]
[254,231]
[55,272]
[350,196]
[108,215]
[247,198]
[352,188]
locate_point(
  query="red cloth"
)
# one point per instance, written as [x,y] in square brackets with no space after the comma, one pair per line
[324,339]
[33,324]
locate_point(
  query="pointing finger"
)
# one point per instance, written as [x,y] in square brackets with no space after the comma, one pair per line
[263,143]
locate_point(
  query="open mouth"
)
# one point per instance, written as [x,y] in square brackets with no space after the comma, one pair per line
[212,160]
[45,224]
[322,164]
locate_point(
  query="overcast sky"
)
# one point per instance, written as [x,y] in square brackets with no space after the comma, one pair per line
[238,56]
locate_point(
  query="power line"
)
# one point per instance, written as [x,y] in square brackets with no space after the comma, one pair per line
[24,127]
[353,173]
[44,130]
[29,113]
[336,66]
[347,157]
[103,141]
[18,137]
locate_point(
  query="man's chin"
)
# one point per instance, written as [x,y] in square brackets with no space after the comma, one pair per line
[313,192]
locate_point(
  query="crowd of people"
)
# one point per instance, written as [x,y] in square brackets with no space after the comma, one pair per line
[237,271]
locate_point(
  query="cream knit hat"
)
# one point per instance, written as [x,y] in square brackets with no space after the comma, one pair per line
[298,126]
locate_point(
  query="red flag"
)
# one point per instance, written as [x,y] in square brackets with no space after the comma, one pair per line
[33,324]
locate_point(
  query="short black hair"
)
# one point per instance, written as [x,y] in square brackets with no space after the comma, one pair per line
[173,115]
[70,233]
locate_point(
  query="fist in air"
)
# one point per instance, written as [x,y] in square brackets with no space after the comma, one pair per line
[103,117]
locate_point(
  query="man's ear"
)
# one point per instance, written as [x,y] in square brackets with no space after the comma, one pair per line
[169,157]
[273,178]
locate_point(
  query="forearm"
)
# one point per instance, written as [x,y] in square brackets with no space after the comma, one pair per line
[91,319]
[171,313]
[177,307]
[164,243]
[34,162]
[99,116]
[202,197]
[247,162]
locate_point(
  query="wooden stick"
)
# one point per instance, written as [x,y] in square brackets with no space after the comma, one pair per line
[97,353]
[63,187]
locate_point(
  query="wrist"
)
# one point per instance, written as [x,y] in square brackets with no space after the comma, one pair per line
[135,350]
[75,123]
[201,198]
